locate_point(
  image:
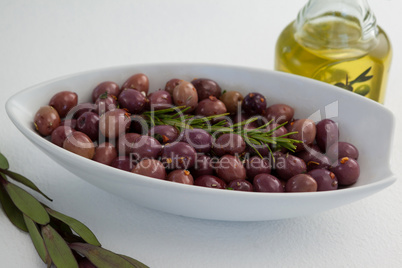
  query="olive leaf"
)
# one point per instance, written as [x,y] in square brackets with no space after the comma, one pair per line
[12,212]
[26,182]
[52,234]
[100,257]
[362,77]
[61,254]
[63,229]
[27,203]
[37,240]
[77,226]
[3,162]
[134,262]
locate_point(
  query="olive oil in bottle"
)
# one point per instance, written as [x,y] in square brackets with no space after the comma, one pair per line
[337,42]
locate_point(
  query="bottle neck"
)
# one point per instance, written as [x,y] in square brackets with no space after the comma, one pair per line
[334,25]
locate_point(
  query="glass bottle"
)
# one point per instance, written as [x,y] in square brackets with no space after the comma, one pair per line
[338,42]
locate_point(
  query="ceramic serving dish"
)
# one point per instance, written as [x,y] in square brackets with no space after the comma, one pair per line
[365,123]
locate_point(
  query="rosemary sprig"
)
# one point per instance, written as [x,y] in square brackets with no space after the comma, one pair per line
[60,240]
[255,138]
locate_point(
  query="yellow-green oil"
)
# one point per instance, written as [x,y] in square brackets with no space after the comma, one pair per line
[315,54]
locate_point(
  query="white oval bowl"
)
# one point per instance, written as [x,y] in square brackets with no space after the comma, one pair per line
[365,123]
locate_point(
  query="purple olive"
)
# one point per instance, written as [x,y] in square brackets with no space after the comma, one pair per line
[210,106]
[160,100]
[150,167]
[301,183]
[113,123]
[139,82]
[254,104]
[164,133]
[287,166]
[60,134]
[279,113]
[206,88]
[125,143]
[107,86]
[306,132]
[79,143]
[146,147]
[342,149]
[229,143]
[105,153]
[185,95]
[267,183]
[132,100]
[122,162]
[230,168]
[204,165]
[46,120]
[63,102]
[210,182]
[105,102]
[313,158]
[88,123]
[327,134]
[326,180]
[181,176]
[178,155]
[81,108]
[256,165]
[346,170]
[171,84]
[241,185]
[198,138]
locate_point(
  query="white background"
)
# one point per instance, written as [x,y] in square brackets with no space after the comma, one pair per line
[41,40]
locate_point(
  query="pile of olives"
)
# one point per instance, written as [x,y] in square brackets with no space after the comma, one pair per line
[112,130]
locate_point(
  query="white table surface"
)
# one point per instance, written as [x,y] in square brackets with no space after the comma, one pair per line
[45,39]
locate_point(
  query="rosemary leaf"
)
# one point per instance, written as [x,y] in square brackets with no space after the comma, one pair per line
[175,117]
